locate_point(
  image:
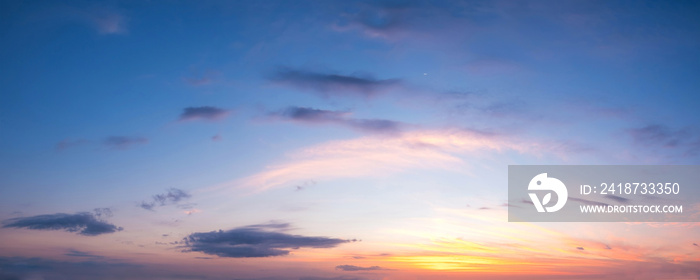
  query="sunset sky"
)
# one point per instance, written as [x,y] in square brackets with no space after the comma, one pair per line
[346,140]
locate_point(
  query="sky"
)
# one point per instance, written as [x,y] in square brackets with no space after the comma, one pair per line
[346,140]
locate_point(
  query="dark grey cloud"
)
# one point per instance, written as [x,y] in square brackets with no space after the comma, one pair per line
[99,212]
[207,113]
[81,254]
[254,241]
[22,268]
[303,278]
[304,185]
[348,267]
[173,196]
[684,140]
[696,245]
[318,116]
[580,248]
[147,205]
[659,135]
[83,223]
[312,115]
[330,84]
[123,142]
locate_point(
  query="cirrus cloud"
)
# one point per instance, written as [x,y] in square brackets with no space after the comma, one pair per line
[376,155]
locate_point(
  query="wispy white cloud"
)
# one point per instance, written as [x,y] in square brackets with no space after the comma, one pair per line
[379,156]
[108,22]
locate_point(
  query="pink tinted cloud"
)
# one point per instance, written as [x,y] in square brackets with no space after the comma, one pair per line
[379,156]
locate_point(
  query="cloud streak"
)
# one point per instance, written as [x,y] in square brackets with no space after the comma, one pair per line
[123,142]
[89,268]
[83,223]
[254,242]
[331,84]
[331,278]
[67,143]
[657,135]
[318,116]
[206,113]
[348,267]
[81,254]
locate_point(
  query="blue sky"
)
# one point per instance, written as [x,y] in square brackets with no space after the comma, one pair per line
[323,123]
